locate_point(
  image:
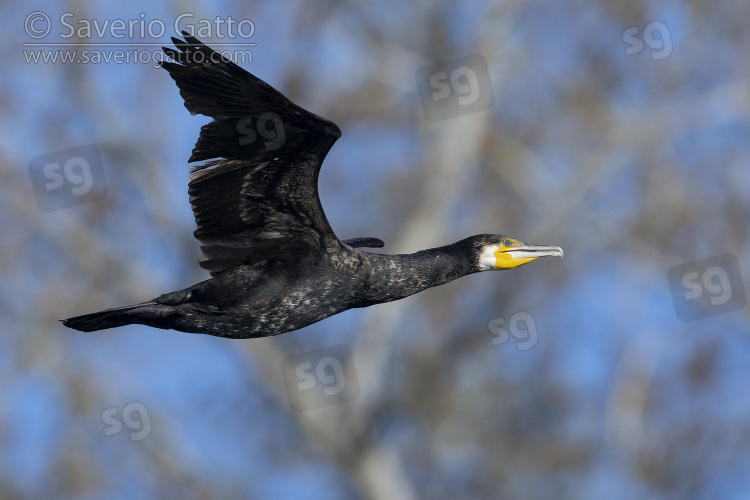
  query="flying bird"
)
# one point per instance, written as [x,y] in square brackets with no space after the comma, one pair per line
[275,262]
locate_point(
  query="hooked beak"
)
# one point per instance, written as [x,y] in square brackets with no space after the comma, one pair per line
[512,257]
[534,251]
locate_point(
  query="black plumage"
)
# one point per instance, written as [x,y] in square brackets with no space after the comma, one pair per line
[275,262]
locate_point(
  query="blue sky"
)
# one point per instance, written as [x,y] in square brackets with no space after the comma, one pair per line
[591,139]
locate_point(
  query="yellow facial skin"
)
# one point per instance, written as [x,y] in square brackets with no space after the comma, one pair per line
[514,253]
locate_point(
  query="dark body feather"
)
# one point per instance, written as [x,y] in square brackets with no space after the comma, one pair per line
[275,262]
[272,298]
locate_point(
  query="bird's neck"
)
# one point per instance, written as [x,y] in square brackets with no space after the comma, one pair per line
[396,276]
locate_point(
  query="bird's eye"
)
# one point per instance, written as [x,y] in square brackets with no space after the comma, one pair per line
[506,243]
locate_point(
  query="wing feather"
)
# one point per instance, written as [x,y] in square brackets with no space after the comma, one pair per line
[256,199]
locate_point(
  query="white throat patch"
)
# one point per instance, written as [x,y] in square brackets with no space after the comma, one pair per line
[487,258]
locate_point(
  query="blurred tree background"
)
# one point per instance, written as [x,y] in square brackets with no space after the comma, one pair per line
[619,131]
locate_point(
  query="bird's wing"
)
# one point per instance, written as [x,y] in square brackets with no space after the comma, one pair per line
[257,200]
[364,242]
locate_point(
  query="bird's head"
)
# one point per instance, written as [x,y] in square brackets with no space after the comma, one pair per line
[503,252]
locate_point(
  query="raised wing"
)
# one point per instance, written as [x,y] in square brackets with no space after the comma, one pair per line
[258,199]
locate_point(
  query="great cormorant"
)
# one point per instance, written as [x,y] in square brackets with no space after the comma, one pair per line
[275,262]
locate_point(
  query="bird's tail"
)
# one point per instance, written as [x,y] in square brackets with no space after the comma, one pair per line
[110,318]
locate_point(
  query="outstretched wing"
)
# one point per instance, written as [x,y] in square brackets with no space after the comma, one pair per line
[257,200]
